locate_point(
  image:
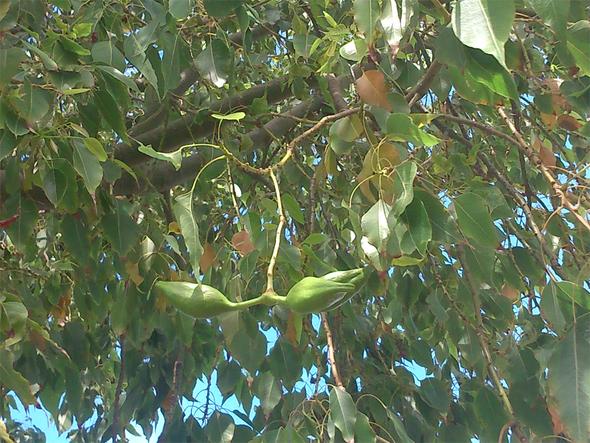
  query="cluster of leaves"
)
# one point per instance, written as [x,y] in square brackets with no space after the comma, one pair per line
[136,137]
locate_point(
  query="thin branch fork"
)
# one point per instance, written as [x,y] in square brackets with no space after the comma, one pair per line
[548,176]
[479,331]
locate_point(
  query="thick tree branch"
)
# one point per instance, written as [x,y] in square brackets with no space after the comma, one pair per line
[188,128]
[189,77]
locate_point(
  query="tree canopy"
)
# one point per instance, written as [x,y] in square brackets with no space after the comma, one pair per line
[436,149]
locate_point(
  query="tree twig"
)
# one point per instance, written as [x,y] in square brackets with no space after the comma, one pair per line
[331,353]
[117,430]
[275,252]
[544,169]
[479,331]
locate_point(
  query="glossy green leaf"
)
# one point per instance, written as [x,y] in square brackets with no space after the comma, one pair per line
[95,146]
[119,228]
[183,211]
[174,157]
[569,379]
[268,390]
[180,9]
[343,412]
[483,25]
[474,220]
[400,127]
[375,223]
[578,43]
[394,22]
[214,63]
[366,15]
[88,166]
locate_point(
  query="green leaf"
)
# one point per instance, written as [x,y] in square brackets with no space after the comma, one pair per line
[95,146]
[47,61]
[115,73]
[343,412]
[569,379]
[10,60]
[268,391]
[59,183]
[214,63]
[401,127]
[72,46]
[110,111]
[216,8]
[474,220]
[419,231]
[7,143]
[366,15]
[553,12]
[87,165]
[75,237]
[14,380]
[482,24]
[180,9]
[434,392]
[183,211]
[354,50]
[486,70]
[403,188]
[362,429]
[174,157]
[578,43]
[119,228]
[292,207]
[34,102]
[375,223]
[303,44]
[106,52]
[395,24]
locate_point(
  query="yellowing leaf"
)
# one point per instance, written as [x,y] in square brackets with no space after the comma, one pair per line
[373,90]
[133,272]
[380,158]
[174,228]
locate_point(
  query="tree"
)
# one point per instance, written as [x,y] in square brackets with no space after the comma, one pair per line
[441,147]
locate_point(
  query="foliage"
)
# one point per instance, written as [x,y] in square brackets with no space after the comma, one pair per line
[441,145]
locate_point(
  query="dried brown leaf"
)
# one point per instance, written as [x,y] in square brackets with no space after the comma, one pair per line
[373,90]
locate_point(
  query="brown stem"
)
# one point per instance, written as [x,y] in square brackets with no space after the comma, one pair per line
[331,354]
[422,86]
[117,430]
[479,331]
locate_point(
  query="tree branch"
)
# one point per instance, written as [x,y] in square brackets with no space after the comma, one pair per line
[544,169]
[331,354]
[117,431]
[186,128]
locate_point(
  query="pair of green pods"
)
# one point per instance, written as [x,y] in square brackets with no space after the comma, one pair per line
[311,294]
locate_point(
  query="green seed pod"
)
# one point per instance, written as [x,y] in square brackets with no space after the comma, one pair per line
[200,301]
[318,294]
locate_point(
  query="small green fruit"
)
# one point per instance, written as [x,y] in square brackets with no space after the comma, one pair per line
[318,294]
[200,301]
